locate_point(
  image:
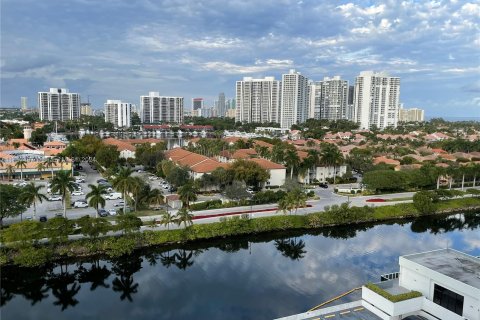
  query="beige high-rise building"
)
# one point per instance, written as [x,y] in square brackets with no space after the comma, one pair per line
[230,113]
[24,103]
[86,109]
[411,115]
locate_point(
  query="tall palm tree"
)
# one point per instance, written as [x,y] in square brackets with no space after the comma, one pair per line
[167,219]
[155,197]
[63,183]
[50,163]
[184,216]
[187,193]
[21,164]
[292,160]
[123,182]
[331,156]
[286,204]
[40,168]
[137,187]
[95,197]
[30,194]
[61,159]
[10,171]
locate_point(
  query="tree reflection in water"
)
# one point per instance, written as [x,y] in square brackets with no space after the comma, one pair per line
[64,287]
[291,248]
[96,274]
[124,268]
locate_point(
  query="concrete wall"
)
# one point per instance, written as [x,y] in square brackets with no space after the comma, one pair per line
[322,173]
[392,309]
[277,177]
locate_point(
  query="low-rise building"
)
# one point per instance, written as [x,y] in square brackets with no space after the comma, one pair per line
[127,150]
[276,171]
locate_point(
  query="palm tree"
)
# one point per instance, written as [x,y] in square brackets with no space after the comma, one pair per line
[40,168]
[187,193]
[21,164]
[123,182]
[286,204]
[95,197]
[61,158]
[167,219]
[332,157]
[10,171]
[63,183]
[50,163]
[292,160]
[184,216]
[30,194]
[155,197]
[137,186]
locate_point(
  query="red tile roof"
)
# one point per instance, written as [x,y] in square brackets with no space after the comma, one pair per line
[267,164]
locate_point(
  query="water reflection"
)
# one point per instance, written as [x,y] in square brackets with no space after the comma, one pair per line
[255,272]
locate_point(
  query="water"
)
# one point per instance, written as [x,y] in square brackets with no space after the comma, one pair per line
[255,278]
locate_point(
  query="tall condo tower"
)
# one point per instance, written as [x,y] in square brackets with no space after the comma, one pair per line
[161,109]
[294,99]
[258,100]
[58,104]
[118,113]
[376,101]
[221,105]
[331,99]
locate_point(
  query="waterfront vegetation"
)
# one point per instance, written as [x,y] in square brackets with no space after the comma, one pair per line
[23,246]
[393,297]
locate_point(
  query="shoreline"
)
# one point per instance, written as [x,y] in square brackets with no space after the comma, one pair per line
[120,245]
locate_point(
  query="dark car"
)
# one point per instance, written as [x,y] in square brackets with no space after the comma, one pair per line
[323,185]
[102,213]
[102,180]
[42,218]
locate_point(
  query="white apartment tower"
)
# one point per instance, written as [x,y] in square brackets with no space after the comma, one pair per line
[58,104]
[294,99]
[258,100]
[118,113]
[331,99]
[160,109]
[376,101]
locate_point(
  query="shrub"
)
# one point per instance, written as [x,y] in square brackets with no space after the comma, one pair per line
[424,202]
[391,297]
[31,257]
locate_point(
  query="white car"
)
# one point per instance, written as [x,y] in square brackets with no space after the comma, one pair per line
[78,193]
[119,204]
[113,196]
[80,204]
[55,198]
[112,212]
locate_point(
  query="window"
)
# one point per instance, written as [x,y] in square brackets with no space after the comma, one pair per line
[448,299]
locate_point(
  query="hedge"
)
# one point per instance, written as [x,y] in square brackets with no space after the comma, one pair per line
[392,297]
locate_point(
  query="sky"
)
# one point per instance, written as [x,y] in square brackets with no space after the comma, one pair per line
[116,49]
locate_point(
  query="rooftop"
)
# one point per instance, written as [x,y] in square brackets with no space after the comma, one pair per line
[452,263]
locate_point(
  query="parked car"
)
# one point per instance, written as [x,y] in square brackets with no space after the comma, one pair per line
[112,212]
[80,204]
[28,218]
[102,213]
[54,198]
[101,180]
[79,180]
[42,218]
[58,215]
[172,189]
[78,193]
[113,196]
[323,185]
[119,204]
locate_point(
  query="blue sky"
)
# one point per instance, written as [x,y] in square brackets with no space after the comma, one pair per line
[114,49]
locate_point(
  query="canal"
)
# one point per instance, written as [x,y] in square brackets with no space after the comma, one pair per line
[244,278]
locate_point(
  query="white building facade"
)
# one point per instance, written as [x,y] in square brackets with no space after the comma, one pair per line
[376,101]
[161,109]
[258,100]
[331,99]
[294,99]
[58,104]
[118,113]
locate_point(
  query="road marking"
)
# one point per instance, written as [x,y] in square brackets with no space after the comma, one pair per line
[317,319]
[358,309]
[329,316]
[345,312]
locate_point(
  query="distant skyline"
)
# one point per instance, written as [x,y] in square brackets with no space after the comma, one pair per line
[114,49]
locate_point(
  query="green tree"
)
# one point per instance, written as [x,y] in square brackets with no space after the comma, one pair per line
[236,191]
[166,219]
[58,229]
[10,171]
[24,233]
[95,197]
[21,164]
[187,193]
[184,216]
[10,206]
[332,157]
[178,176]
[107,156]
[63,183]
[30,194]
[123,182]
[93,227]
[385,180]
[40,168]
[128,223]
[286,204]
[249,172]
[425,202]
[360,160]
[154,197]
[50,163]
[292,160]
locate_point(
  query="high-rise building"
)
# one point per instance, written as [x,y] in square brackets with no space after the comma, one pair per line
[197,103]
[350,108]
[311,100]
[221,105]
[411,115]
[58,104]
[118,113]
[294,99]
[331,98]
[86,109]
[258,100]
[23,103]
[376,101]
[160,109]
